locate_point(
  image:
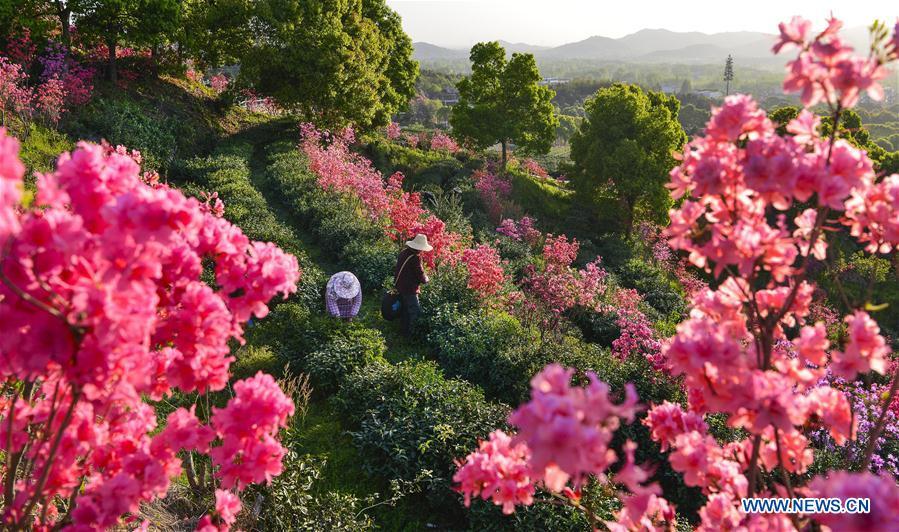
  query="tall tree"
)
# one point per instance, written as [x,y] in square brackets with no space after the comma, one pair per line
[111,22]
[503,102]
[337,61]
[728,73]
[624,146]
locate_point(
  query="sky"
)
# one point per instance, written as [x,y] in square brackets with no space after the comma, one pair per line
[461,23]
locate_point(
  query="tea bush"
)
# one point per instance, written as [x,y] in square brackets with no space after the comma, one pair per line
[349,348]
[407,418]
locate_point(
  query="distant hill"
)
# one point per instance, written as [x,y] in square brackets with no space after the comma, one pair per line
[650,46]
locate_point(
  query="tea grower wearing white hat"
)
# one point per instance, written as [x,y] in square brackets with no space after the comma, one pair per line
[409,276]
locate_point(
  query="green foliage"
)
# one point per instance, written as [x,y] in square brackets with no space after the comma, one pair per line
[516,254]
[542,198]
[371,262]
[657,290]
[41,147]
[228,173]
[503,102]
[251,359]
[339,62]
[142,22]
[122,120]
[407,418]
[626,143]
[350,348]
[294,502]
[471,346]
[448,288]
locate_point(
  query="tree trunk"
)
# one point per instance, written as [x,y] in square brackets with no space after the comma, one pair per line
[154,59]
[505,155]
[111,73]
[65,19]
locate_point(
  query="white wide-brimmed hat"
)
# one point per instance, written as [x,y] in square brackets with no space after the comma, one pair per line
[345,285]
[420,242]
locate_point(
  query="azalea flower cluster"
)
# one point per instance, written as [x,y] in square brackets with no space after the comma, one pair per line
[866,401]
[101,304]
[533,168]
[394,131]
[494,190]
[739,182]
[664,256]
[557,287]
[523,230]
[255,103]
[440,141]
[76,79]
[637,336]
[218,83]
[48,99]
[563,436]
[755,209]
[485,271]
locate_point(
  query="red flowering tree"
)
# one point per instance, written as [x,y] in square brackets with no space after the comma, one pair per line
[102,304]
[741,185]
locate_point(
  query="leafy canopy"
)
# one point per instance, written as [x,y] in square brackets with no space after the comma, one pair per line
[502,102]
[339,62]
[624,146]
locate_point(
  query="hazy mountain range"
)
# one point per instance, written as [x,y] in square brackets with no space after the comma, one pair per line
[650,46]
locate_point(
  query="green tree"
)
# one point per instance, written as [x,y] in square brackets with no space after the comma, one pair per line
[503,102]
[338,62]
[624,147]
[728,73]
[214,32]
[138,22]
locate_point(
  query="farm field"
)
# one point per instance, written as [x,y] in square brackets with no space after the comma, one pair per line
[643,302]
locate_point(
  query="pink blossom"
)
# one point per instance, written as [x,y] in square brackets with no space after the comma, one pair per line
[794,32]
[440,141]
[393,131]
[873,216]
[865,350]
[485,272]
[667,421]
[498,470]
[227,505]
[102,305]
[568,429]
[881,490]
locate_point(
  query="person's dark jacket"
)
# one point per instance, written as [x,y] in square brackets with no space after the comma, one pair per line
[412,276]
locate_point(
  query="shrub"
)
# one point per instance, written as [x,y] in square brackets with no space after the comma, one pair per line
[407,418]
[600,328]
[445,173]
[121,120]
[471,345]
[41,147]
[655,287]
[371,262]
[253,358]
[293,501]
[227,172]
[448,288]
[287,330]
[349,348]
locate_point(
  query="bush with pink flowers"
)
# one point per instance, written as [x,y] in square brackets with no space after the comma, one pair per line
[102,303]
[755,209]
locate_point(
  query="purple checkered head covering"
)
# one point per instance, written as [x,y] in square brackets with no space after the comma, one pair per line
[344,285]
